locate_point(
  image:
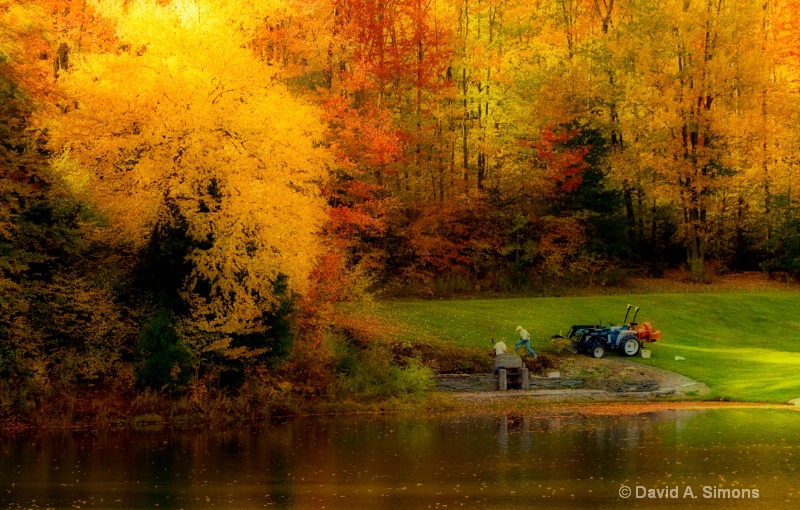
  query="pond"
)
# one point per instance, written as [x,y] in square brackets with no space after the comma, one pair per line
[706,458]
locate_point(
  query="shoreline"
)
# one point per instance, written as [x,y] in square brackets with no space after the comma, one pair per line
[582,409]
[442,404]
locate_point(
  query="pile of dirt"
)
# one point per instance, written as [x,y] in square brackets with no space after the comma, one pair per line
[443,357]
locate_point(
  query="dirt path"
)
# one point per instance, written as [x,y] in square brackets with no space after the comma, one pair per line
[607,380]
[598,373]
[676,280]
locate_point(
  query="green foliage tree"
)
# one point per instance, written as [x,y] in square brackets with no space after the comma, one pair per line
[165,359]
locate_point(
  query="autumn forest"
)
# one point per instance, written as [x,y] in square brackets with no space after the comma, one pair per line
[189,188]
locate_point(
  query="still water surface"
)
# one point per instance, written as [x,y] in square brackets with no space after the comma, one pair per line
[494,461]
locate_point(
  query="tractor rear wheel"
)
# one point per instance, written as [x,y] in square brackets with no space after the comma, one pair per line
[598,351]
[630,347]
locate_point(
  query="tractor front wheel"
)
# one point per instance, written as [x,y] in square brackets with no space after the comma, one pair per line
[598,351]
[630,347]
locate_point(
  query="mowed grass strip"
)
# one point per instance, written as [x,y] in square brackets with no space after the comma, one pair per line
[746,347]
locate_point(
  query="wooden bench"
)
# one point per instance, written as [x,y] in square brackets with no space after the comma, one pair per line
[511,372]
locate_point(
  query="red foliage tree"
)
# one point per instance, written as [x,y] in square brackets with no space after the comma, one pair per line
[565,165]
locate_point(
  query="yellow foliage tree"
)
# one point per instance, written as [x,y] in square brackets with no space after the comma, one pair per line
[184,123]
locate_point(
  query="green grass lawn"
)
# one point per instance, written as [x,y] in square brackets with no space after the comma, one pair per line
[744,346]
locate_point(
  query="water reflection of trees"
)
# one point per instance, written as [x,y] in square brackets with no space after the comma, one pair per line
[393,462]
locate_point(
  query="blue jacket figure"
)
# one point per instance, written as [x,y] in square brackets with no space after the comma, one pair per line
[524,339]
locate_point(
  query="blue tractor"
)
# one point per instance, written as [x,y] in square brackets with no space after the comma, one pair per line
[627,338]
